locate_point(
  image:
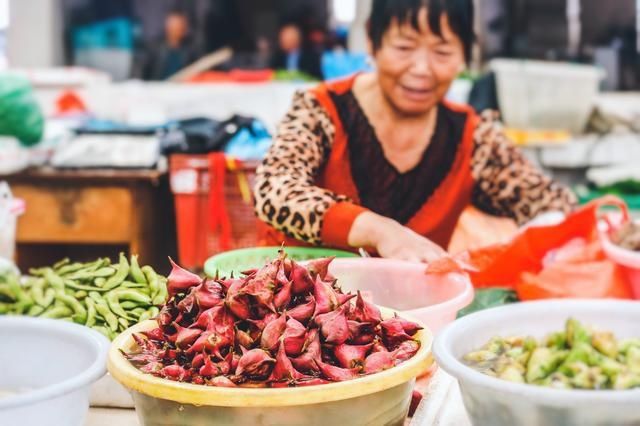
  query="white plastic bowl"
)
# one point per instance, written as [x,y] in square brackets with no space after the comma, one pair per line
[434,299]
[495,402]
[50,364]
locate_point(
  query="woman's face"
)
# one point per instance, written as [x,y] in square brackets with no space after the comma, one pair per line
[416,68]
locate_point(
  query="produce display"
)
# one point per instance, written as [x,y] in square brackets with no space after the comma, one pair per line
[628,236]
[282,325]
[106,297]
[577,358]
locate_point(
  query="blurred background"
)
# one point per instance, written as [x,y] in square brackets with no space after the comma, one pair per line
[112,95]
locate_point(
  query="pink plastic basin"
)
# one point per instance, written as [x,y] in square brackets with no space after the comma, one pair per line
[627,259]
[405,287]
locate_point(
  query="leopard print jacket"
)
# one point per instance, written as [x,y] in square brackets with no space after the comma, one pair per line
[286,197]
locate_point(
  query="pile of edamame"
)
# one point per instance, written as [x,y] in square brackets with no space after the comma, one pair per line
[106,297]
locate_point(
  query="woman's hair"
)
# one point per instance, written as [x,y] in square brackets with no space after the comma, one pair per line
[458,12]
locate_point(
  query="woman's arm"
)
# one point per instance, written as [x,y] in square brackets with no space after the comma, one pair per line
[285,192]
[507,184]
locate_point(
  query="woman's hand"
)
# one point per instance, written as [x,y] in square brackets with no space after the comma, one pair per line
[392,240]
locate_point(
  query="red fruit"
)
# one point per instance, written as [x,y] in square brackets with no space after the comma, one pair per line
[393,332]
[344,298]
[337,374]
[186,336]
[145,344]
[360,333]
[197,380]
[180,280]
[377,362]
[319,267]
[294,337]
[300,278]
[325,296]
[236,301]
[141,358]
[222,382]
[307,362]
[207,317]
[283,296]
[165,317]
[198,360]
[262,290]
[235,359]
[152,368]
[283,369]
[208,294]
[272,333]
[281,275]
[409,327]
[244,339]
[378,346]
[303,312]
[249,272]
[174,372]
[255,363]
[211,369]
[405,350]
[334,326]
[351,356]
[365,311]
[155,334]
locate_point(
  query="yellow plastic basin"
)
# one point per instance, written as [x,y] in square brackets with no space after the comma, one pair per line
[378,399]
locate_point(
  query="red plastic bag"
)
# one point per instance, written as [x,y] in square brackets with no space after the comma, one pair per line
[563,260]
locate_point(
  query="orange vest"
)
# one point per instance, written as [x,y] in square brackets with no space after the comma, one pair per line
[436,219]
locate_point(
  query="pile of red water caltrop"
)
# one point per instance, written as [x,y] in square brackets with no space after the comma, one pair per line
[282,325]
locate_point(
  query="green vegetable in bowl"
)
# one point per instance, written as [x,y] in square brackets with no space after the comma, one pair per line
[579,357]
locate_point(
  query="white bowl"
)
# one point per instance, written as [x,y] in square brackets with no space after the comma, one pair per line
[495,402]
[434,299]
[50,364]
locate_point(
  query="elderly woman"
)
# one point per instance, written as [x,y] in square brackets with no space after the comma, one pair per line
[381,160]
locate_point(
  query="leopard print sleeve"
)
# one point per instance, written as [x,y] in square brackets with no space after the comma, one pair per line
[286,196]
[506,183]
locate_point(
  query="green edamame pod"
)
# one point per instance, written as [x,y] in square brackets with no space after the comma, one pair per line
[91,312]
[80,294]
[145,316]
[154,311]
[152,279]
[57,312]
[135,272]
[49,297]
[129,305]
[35,310]
[120,275]
[7,294]
[109,317]
[99,282]
[129,284]
[75,286]
[37,294]
[54,279]
[79,311]
[133,296]
[123,323]
[5,308]
[102,330]
[138,310]
[85,275]
[114,305]
[59,264]
[70,268]
[162,295]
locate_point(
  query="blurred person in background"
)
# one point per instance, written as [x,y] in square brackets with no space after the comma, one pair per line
[381,160]
[293,54]
[176,51]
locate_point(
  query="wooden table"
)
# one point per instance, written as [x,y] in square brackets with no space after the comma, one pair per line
[85,214]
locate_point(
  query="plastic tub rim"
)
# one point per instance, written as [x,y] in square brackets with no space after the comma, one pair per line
[147,384]
[442,350]
[96,369]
